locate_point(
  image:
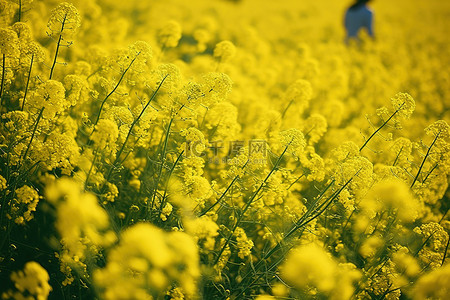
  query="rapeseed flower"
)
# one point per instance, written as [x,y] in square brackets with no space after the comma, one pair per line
[32,282]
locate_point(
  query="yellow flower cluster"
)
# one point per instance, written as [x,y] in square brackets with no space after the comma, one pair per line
[243,243]
[63,19]
[204,230]
[24,204]
[86,232]
[310,269]
[142,268]
[170,34]
[434,285]
[50,96]
[223,150]
[394,196]
[224,51]
[31,283]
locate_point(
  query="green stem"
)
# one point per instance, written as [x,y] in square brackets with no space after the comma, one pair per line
[28,81]
[312,208]
[445,252]
[287,107]
[163,160]
[204,118]
[424,243]
[429,173]
[249,202]
[225,192]
[398,155]
[3,78]
[299,224]
[167,181]
[379,128]
[90,169]
[57,47]
[114,89]
[119,153]
[25,174]
[424,159]
[20,11]
[220,198]
[300,177]
[34,133]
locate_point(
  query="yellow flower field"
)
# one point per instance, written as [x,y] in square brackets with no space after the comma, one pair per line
[223,150]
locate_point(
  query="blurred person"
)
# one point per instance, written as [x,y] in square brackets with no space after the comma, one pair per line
[358,16]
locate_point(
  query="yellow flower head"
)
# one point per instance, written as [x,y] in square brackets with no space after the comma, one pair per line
[170,34]
[293,139]
[23,31]
[148,265]
[3,183]
[371,246]
[310,266]
[105,135]
[440,128]
[9,43]
[392,194]
[224,51]
[64,20]
[31,283]
[216,87]
[25,204]
[433,285]
[300,91]
[51,96]
[404,104]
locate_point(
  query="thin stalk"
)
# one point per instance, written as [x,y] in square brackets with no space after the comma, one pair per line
[398,155]
[168,178]
[163,160]
[204,118]
[34,133]
[163,156]
[386,292]
[57,46]
[313,205]
[221,197]
[90,169]
[445,252]
[424,243]
[429,173]
[347,221]
[224,193]
[300,177]
[20,11]
[297,225]
[119,153]
[114,89]
[247,205]
[379,128]
[3,78]
[28,81]
[25,174]
[365,277]
[320,209]
[443,216]
[287,107]
[424,159]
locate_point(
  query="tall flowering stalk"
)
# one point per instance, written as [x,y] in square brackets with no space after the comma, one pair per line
[403,105]
[63,23]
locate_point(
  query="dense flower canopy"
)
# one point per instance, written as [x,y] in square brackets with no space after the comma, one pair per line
[223,150]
